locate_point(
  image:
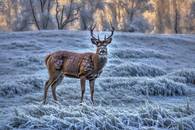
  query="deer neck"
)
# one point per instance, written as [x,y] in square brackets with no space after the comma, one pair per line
[101,61]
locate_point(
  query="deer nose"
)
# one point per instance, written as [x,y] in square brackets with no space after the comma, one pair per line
[102,51]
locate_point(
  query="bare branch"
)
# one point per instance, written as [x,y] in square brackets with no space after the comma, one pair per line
[34,16]
[62,15]
[48,10]
[57,12]
[69,21]
[43,2]
[71,17]
[70,10]
[62,20]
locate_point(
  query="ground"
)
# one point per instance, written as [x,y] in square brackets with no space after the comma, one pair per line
[146,84]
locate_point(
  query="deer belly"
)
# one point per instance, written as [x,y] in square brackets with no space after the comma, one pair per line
[93,75]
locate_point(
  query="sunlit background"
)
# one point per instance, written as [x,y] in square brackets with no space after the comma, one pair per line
[147,16]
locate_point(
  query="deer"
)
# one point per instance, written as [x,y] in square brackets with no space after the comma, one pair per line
[83,66]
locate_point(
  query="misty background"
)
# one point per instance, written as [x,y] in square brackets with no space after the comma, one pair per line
[147,16]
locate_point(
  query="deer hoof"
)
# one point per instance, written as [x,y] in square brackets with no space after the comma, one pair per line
[57,102]
[44,102]
[92,102]
[81,103]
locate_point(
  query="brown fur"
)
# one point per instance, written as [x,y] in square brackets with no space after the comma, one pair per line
[56,76]
[65,55]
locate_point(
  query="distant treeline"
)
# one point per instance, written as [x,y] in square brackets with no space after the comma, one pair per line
[147,16]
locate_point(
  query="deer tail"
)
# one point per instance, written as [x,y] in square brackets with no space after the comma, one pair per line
[46,59]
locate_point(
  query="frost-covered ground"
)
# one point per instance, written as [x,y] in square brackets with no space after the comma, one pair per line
[147,83]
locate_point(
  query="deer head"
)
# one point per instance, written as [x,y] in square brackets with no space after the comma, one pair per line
[101,44]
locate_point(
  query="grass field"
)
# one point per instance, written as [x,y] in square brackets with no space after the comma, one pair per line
[146,84]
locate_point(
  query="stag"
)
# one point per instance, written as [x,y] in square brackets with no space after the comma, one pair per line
[84,66]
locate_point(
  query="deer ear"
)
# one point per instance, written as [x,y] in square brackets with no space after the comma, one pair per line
[94,41]
[108,41]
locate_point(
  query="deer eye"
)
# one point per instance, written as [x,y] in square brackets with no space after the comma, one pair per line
[99,44]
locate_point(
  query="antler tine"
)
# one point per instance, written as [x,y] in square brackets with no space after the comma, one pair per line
[91,30]
[92,27]
[112,31]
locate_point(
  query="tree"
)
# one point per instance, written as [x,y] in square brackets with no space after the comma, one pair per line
[22,20]
[40,10]
[66,14]
[192,20]
[175,5]
[134,20]
[88,8]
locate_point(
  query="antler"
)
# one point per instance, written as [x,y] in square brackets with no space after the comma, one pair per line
[91,30]
[112,32]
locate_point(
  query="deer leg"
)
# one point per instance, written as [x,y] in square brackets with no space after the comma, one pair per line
[54,91]
[47,84]
[82,81]
[55,84]
[92,83]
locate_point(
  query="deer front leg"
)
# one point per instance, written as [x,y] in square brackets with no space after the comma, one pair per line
[82,81]
[92,83]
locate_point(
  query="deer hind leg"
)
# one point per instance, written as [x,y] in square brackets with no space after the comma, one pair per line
[56,82]
[47,84]
[54,77]
[82,81]
[51,82]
